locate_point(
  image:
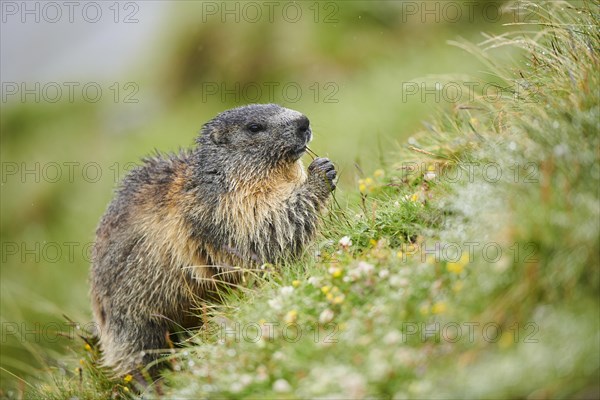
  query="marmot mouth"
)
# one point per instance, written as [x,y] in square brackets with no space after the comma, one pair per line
[298,152]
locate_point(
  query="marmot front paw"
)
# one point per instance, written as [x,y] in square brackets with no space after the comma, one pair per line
[322,172]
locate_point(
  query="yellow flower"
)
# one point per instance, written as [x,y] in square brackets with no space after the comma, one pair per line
[379,173]
[438,308]
[365,185]
[457,287]
[325,289]
[430,173]
[400,254]
[291,316]
[81,361]
[455,268]
[336,272]
[87,347]
[506,340]
[339,299]
[127,378]
[126,389]
[329,296]
[458,266]
[295,283]
[414,197]
[373,242]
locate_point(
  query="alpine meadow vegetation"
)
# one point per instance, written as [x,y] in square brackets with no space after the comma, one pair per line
[465,266]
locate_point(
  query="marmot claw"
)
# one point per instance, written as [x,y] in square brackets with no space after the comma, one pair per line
[324,168]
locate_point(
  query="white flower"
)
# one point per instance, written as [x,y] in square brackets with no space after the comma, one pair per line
[561,149]
[392,337]
[281,385]
[354,386]
[345,241]
[326,316]
[403,356]
[384,273]
[352,275]
[275,304]
[429,175]
[245,379]
[314,281]
[266,333]
[365,268]
[398,281]
[236,387]
[286,290]
[261,374]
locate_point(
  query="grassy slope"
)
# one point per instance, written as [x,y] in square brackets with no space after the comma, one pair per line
[393,311]
[115,135]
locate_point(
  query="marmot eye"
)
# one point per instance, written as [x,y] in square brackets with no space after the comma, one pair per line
[255,128]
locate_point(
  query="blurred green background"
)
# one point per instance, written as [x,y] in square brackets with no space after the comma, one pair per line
[61,160]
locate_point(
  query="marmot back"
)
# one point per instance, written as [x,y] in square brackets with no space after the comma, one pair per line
[181,225]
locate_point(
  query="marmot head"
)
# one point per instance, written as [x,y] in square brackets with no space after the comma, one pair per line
[267,131]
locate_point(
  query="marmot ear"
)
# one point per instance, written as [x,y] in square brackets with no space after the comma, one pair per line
[213,133]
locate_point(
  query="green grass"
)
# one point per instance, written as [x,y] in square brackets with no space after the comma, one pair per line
[36,292]
[379,309]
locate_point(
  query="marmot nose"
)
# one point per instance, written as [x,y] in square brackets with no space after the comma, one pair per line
[303,126]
